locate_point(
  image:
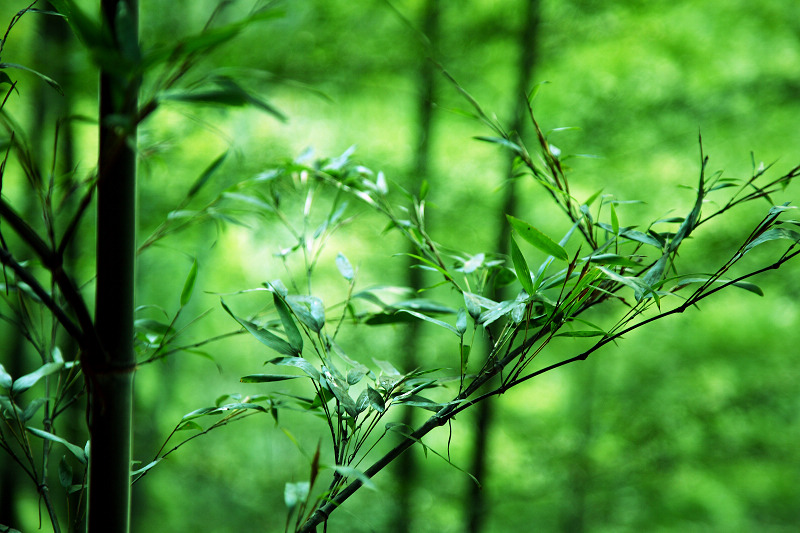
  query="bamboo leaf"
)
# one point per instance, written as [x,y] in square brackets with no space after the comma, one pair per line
[188,285]
[521,266]
[297,362]
[344,266]
[5,378]
[264,337]
[431,320]
[77,451]
[266,378]
[29,380]
[537,238]
[50,81]
[292,333]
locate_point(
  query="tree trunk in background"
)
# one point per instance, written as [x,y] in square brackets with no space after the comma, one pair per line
[578,465]
[110,372]
[406,467]
[475,510]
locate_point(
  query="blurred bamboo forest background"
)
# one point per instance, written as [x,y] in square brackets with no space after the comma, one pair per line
[690,425]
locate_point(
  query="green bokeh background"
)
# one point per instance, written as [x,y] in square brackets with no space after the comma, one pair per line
[688,425]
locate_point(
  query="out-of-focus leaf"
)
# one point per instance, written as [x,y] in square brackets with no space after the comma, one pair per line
[344,266]
[537,238]
[461,321]
[5,378]
[473,263]
[77,451]
[153,326]
[27,381]
[514,147]
[206,175]
[188,285]
[349,471]
[295,493]
[32,408]
[227,93]
[64,473]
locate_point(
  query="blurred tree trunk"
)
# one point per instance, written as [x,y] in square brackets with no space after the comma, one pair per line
[578,464]
[406,468]
[110,370]
[475,502]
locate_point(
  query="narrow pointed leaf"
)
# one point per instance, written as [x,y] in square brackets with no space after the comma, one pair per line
[537,238]
[297,362]
[188,285]
[431,320]
[29,380]
[264,337]
[266,378]
[5,378]
[292,333]
[77,451]
[521,267]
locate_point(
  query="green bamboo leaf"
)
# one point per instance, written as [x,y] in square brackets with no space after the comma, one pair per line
[308,310]
[582,333]
[64,473]
[656,272]
[206,175]
[292,333]
[537,238]
[431,320]
[295,493]
[50,81]
[32,408]
[614,219]
[5,378]
[297,362]
[771,235]
[502,142]
[349,471]
[461,321]
[521,266]
[344,266]
[77,451]
[190,426]
[266,378]
[29,380]
[375,399]
[188,285]
[613,259]
[148,466]
[264,337]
